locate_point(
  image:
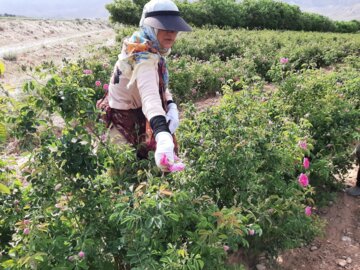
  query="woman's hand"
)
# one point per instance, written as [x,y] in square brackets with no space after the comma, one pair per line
[164,147]
[172,117]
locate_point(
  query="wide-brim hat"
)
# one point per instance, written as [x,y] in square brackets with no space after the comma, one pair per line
[165,15]
[166,20]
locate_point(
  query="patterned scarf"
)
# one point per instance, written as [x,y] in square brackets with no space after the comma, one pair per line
[140,48]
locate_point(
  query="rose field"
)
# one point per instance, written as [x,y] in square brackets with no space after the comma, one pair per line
[259,164]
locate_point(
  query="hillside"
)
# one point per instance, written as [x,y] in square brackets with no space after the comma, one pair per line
[30,42]
[342,10]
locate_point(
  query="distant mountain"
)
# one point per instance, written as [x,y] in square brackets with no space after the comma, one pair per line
[342,10]
[64,9]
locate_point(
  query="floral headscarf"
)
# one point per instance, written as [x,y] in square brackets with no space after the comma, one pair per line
[141,48]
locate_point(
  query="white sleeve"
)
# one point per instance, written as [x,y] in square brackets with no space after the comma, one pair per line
[148,84]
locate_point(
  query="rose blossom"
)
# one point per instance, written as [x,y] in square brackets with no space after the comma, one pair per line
[302,145]
[306,163]
[177,167]
[308,210]
[164,160]
[97,83]
[303,180]
[87,71]
[81,254]
[284,60]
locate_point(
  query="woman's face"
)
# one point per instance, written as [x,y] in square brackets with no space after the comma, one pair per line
[166,38]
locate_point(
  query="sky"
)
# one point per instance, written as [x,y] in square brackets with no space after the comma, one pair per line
[66,9]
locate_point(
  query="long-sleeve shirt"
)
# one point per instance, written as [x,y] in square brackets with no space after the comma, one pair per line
[141,90]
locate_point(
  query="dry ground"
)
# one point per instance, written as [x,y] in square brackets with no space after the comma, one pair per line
[339,248]
[34,41]
[26,43]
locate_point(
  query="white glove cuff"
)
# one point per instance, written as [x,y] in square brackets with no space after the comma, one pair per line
[171,106]
[164,140]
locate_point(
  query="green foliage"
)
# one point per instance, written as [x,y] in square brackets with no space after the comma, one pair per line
[202,63]
[252,14]
[72,91]
[82,203]
[334,126]
[3,113]
[117,223]
[2,68]
[125,11]
[245,154]
[80,195]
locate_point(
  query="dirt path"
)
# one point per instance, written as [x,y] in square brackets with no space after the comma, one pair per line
[338,248]
[34,41]
[34,45]
[25,44]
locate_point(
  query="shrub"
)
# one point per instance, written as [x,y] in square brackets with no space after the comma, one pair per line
[244,154]
[333,127]
[10,57]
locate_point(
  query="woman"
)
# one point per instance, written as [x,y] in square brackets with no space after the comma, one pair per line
[141,110]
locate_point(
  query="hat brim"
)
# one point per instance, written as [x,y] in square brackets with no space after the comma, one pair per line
[170,23]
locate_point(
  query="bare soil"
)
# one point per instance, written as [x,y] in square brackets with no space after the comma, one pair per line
[26,43]
[34,41]
[339,248]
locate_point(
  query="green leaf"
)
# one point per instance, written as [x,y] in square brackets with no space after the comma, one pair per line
[149,222]
[4,189]
[39,256]
[8,263]
[2,132]
[158,222]
[2,68]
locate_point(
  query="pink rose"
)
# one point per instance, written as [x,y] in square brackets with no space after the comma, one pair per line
[81,254]
[177,167]
[306,163]
[303,180]
[226,248]
[284,60]
[251,232]
[106,87]
[26,231]
[98,83]
[87,71]
[302,145]
[308,210]
[164,160]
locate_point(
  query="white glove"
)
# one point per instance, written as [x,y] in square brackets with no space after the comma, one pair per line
[172,117]
[164,153]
